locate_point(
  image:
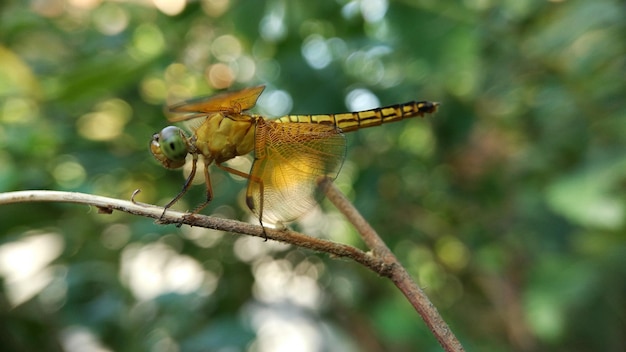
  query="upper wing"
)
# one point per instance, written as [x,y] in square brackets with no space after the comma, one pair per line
[228,103]
[290,158]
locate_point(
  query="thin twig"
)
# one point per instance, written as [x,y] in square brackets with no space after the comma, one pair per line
[106,205]
[393,269]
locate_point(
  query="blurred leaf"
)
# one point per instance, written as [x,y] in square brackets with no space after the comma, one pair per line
[590,195]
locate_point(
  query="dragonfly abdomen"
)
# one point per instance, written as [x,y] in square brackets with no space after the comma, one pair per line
[351,121]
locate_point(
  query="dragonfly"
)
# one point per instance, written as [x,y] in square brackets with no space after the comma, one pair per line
[292,153]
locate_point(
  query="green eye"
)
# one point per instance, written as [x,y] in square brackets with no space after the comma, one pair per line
[172,142]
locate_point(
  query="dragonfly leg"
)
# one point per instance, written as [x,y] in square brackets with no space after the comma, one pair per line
[250,204]
[209,188]
[186,186]
[249,200]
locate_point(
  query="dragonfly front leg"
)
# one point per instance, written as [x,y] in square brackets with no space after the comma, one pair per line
[186,186]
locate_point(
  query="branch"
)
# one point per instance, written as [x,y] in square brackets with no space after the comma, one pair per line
[381,260]
[107,205]
[393,268]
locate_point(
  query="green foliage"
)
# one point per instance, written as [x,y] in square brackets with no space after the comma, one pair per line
[508,206]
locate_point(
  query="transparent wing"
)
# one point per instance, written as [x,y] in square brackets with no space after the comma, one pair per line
[289,160]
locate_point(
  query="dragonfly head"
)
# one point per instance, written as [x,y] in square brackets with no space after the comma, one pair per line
[169,147]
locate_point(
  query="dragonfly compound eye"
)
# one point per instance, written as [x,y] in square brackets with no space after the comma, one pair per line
[169,147]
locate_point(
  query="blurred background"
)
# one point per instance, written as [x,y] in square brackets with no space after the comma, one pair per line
[508,206]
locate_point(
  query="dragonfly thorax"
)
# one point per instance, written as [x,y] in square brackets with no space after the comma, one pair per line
[169,147]
[222,138]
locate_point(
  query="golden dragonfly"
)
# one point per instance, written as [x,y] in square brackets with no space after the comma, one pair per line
[291,153]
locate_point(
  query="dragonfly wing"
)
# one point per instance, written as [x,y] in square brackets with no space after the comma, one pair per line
[289,160]
[228,103]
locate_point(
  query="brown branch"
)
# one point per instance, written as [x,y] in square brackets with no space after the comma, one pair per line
[393,269]
[107,205]
[381,260]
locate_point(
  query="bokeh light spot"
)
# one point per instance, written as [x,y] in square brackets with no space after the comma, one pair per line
[220,76]
[215,8]
[85,4]
[417,139]
[226,48]
[81,339]
[275,103]
[361,99]
[107,122]
[246,68]
[68,173]
[156,269]
[272,26]
[170,7]
[452,252]
[316,52]
[153,90]
[18,110]
[110,19]
[115,236]
[48,8]
[374,10]
[148,41]
[24,265]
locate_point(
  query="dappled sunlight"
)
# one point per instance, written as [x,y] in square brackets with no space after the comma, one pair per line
[367,65]
[418,139]
[170,7]
[19,111]
[361,99]
[249,250]
[244,68]
[276,281]
[156,269]
[55,8]
[220,75]
[274,103]
[80,339]
[373,10]
[272,26]
[106,122]
[202,237]
[286,295]
[180,82]
[68,173]
[84,4]
[434,270]
[284,331]
[16,78]
[226,48]
[316,52]
[452,252]
[215,8]
[327,223]
[24,265]
[148,42]
[153,90]
[48,8]
[115,236]
[111,18]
